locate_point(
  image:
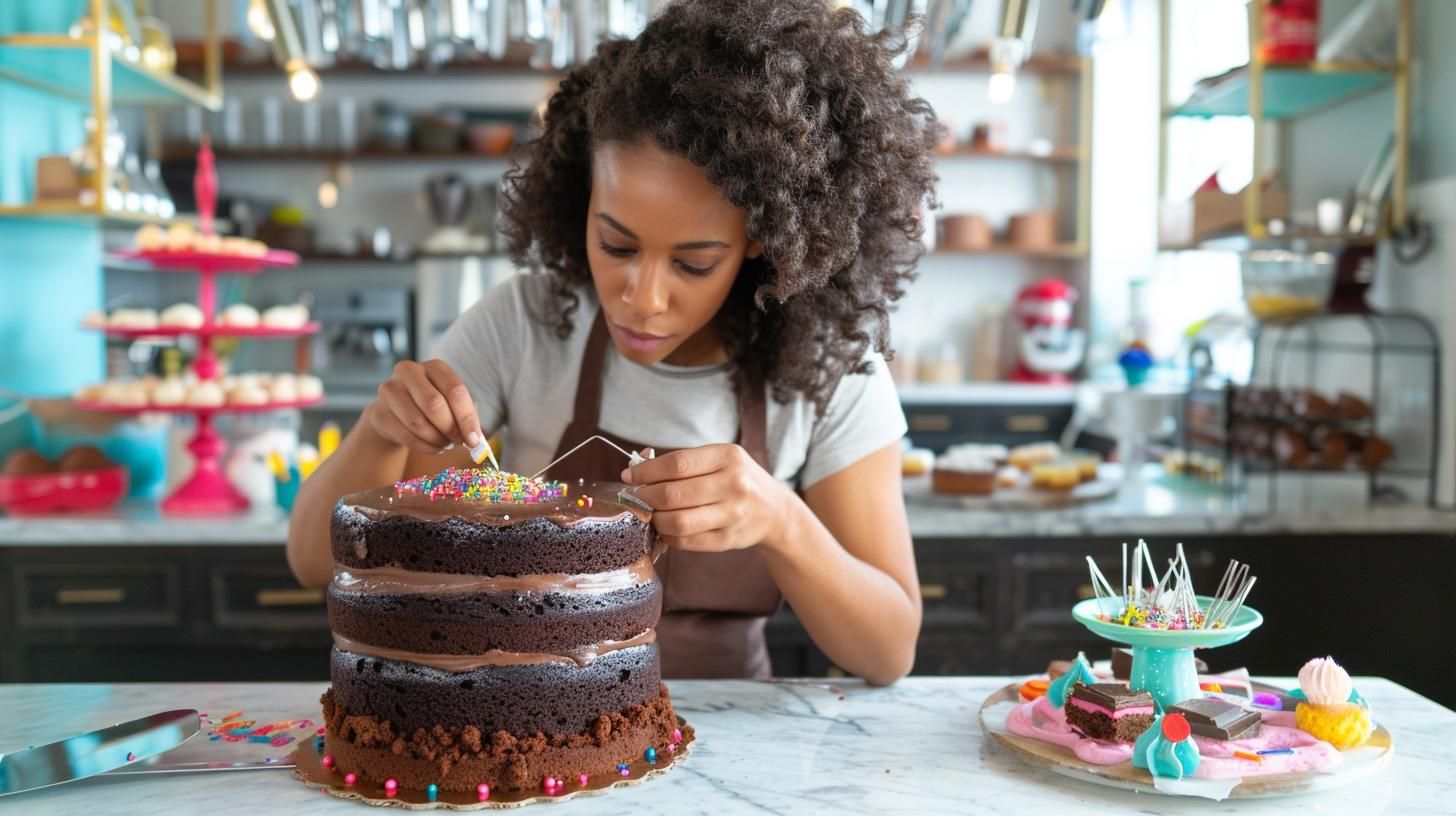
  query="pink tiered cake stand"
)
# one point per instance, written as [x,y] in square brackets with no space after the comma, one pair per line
[207,491]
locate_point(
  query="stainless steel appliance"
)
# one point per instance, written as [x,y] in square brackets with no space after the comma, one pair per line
[446,286]
[364,333]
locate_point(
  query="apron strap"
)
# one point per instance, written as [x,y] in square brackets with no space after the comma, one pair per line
[589,379]
[753,423]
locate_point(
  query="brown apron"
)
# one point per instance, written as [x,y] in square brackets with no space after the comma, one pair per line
[715,605]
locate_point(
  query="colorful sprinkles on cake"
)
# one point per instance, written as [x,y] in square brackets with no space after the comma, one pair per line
[475,484]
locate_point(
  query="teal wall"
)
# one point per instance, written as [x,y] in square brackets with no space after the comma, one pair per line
[50,271]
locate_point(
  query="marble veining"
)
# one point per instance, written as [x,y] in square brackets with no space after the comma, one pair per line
[786,747]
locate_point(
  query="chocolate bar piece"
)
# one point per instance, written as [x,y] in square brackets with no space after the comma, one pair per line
[1216,719]
[1109,711]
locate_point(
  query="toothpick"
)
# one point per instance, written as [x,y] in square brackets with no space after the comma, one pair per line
[1240,605]
[633,459]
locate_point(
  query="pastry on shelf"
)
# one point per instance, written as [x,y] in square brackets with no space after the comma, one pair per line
[182,316]
[1008,478]
[206,394]
[310,388]
[1350,407]
[169,392]
[283,388]
[291,316]
[151,238]
[27,462]
[1061,474]
[916,461]
[208,243]
[94,319]
[1087,463]
[1036,453]
[963,472]
[1374,452]
[133,319]
[247,393]
[180,237]
[239,316]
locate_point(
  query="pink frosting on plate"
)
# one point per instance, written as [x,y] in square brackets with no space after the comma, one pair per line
[1310,754]
[1040,720]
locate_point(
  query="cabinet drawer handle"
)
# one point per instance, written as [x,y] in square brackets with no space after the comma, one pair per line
[930,422]
[106,595]
[1026,423]
[932,592]
[289,597]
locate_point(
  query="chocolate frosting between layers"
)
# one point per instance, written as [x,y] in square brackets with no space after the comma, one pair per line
[397,581]
[582,656]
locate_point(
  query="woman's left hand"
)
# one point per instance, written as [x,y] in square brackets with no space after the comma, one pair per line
[710,499]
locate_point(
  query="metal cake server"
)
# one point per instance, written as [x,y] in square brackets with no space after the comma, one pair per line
[97,752]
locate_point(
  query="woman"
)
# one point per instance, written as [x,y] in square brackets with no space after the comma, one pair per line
[724,209]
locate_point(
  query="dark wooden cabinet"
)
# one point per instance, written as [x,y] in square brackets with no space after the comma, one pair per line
[1005,606]
[992,606]
[135,614]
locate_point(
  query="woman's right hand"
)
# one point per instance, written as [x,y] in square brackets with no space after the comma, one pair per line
[426,408]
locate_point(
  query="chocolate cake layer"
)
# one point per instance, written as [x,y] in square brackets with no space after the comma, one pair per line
[552,698]
[490,539]
[1102,727]
[475,623]
[458,758]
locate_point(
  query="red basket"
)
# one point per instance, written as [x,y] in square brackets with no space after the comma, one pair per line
[81,490]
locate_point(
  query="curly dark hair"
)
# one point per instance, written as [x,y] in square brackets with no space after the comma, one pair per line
[798,114]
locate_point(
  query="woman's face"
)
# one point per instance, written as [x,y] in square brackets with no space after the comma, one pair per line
[664,247]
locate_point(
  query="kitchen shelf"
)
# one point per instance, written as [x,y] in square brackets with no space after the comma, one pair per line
[510,66]
[1068,252]
[365,155]
[1291,89]
[980,62]
[77,212]
[1058,155]
[61,66]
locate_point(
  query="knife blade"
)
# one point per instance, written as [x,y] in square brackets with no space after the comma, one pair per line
[96,752]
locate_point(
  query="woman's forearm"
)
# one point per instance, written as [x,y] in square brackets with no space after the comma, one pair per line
[862,619]
[364,460]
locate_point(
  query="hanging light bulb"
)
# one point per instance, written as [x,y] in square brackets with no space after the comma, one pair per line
[288,50]
[302,80]
[1001,87]
[1010,48]
[259,22]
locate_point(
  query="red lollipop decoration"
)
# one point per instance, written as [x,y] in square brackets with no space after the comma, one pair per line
[1175,727]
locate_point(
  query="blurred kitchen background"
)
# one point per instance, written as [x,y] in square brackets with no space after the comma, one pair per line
[1202,248]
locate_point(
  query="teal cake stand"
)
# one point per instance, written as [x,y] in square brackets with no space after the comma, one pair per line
[1162,659]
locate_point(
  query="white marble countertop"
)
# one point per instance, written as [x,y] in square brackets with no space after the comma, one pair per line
[1150,507]
[763,748]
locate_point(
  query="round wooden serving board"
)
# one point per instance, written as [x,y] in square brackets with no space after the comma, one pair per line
[1060,760]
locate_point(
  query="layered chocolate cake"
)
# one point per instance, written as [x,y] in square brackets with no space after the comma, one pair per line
[1109,711]
[494,631]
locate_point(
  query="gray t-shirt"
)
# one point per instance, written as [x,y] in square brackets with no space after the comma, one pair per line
[523,378]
